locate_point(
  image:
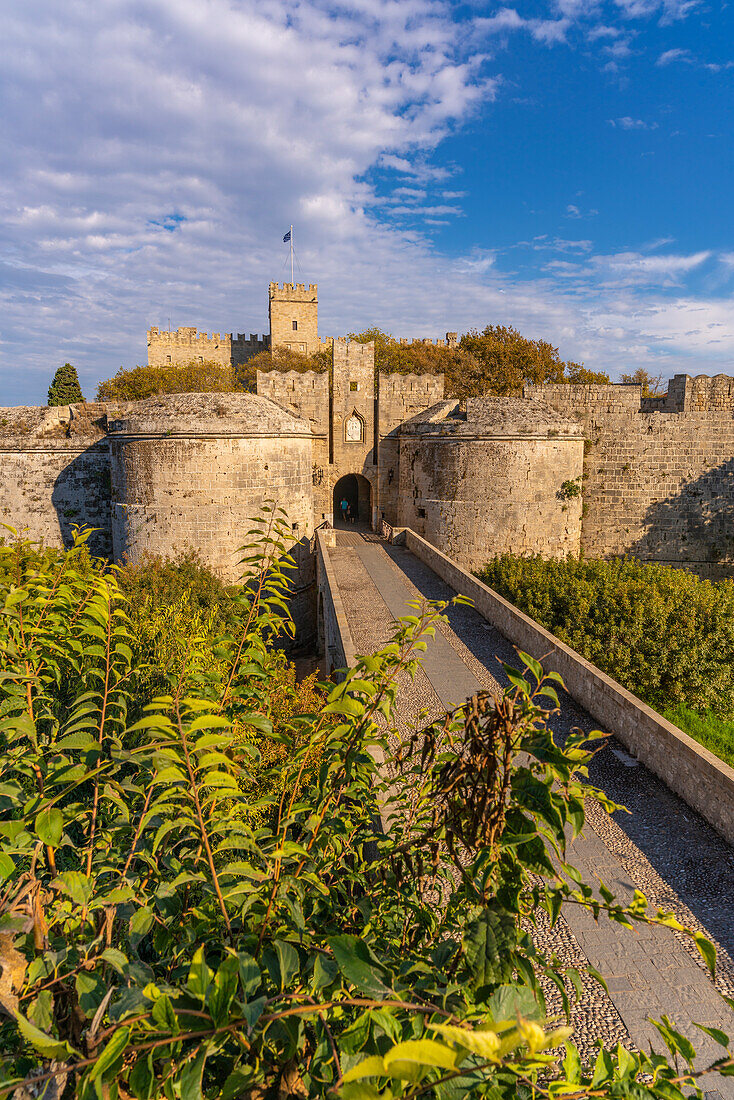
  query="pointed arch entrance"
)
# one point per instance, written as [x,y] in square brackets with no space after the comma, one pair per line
[357,491]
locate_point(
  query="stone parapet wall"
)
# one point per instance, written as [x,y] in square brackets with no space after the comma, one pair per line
[699,777]
[304,392]
[56,473]
[188,345]
[658,473]
[334,635]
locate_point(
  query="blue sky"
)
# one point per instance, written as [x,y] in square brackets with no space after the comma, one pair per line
[561,165]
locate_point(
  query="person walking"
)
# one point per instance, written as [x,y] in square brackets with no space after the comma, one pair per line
[344,506]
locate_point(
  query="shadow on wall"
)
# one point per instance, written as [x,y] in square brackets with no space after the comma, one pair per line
[696,526]
[81,498]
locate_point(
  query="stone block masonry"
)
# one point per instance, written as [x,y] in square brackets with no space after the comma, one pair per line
[188,345]
[293,312]
[658,473]
[56,473]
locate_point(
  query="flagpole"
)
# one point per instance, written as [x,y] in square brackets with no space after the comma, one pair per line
[291,255]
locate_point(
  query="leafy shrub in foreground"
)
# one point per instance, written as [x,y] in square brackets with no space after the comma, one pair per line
[663,633]
[154,942]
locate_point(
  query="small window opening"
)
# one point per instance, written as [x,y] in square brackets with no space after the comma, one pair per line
[295,325]
[422,513]
[353,387]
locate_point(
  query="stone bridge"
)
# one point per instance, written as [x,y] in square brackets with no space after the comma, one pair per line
[681,857]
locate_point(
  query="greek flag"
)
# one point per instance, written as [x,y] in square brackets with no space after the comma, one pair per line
[287,237]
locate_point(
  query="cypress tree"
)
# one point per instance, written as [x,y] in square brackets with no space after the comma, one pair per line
[65,388]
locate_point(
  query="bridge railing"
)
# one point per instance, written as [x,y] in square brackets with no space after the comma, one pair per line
[335,637]
[687,768]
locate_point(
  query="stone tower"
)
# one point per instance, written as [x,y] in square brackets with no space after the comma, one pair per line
[294,311]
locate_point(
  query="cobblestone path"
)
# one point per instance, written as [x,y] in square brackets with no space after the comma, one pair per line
[662,847]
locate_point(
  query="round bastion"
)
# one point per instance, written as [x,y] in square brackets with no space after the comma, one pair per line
[496,475]
[192,469]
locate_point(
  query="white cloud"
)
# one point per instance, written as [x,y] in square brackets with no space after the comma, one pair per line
[627,123]
[547,31]
[669,56]
[669,11]
[602,31]
[153,155]
[631,269]
[574,211]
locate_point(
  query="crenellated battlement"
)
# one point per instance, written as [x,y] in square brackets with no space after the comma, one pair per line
[412,383]
[273,381]
[184,345]
[353,351]
[451,341]
[295,292]
[185,336]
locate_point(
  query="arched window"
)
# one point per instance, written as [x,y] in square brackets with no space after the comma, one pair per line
[354,428]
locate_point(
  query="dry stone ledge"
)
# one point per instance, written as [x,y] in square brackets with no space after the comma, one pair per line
[194,414]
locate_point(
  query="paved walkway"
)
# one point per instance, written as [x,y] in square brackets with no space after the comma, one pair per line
[663,847]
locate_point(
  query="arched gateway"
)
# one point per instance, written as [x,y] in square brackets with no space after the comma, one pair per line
[357,491]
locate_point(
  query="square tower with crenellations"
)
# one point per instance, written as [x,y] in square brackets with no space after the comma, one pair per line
[294,309]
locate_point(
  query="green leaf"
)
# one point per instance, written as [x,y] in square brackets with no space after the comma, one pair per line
[707,950]
[81,739]
[225,988]
[488,942]
[238,1085]
[140,924]
[572,1064]
[374,1066]
[190,1079]
[7,867]
[111,1053]
[289,963]
[530,662]
[91,989]
[49,826]
[359,967]
[250,975]
[402,1060]
[510,1001]
[116,959]
[79,887]
[43,1043]
[357,1090]
[141,1080]
[163,1014]
[324,972]
[719,1037]
[200,976]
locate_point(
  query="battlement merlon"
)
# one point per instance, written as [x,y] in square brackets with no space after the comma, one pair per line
[293,292]
[185,335]
[451,341]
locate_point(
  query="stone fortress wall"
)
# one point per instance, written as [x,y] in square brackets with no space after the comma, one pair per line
[658,472]
[188,345]
[55,473]
[492,478]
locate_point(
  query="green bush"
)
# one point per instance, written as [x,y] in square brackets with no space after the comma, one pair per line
[182,918]
[663,633]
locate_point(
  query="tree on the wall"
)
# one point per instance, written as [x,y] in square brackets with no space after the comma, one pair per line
[651,386]
[65,388]
[137,383]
